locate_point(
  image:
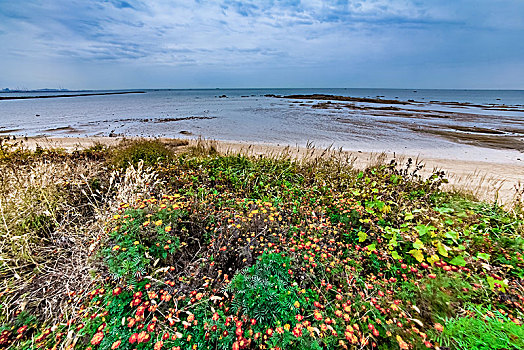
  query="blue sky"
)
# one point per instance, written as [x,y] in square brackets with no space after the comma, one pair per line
[111,44]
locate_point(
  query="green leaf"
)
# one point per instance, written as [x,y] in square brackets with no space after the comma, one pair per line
[484,256]
[503,285]
[393,242]
[395,255]
[444,210]
[371,247]
[442,249]
[418,244]
[408,216]
[392,231]
[394,178]
[458,261]
[491,282]
[452,235]
[362,236]
[423,229]
[417,254]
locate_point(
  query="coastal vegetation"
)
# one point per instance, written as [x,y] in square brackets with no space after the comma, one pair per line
[150,245]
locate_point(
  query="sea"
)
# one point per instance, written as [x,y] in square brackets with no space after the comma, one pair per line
[256,116]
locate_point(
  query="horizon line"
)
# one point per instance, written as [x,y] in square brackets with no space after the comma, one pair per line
[8,90]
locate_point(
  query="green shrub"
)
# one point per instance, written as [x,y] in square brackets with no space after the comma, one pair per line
[150,152]
[439,298]
[141,240]
[322,257]
[265,291]
[484,330]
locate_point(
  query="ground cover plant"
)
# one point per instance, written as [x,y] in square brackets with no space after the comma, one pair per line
[210,251]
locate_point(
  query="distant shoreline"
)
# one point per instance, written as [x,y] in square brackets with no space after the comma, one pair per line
[70,95]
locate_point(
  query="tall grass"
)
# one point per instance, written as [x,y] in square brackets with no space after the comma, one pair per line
[150,152]
[53,206]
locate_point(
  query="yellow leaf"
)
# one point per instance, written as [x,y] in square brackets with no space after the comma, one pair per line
[433,259]
[418,244]
[417,254]
[442,249]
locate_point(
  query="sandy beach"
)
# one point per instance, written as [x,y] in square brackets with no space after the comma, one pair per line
[487,181]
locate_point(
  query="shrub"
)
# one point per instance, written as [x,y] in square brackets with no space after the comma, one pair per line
[140,240]
[265,291]
[482,329]
[150,152]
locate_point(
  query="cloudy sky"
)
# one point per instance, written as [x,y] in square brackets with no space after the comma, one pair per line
[112,44]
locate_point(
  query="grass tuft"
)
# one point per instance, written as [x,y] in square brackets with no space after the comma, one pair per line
[150,152]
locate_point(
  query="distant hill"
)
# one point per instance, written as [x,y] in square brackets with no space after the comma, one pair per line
[37,90]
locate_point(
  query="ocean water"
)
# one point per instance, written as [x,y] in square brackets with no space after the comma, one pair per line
[247,115]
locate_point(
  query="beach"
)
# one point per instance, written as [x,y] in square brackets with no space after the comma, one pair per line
[475,137]
[462,125]
[489,181]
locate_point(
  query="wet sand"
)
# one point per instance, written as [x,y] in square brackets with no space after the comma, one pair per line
[488,181]
[458,125]
[380,100]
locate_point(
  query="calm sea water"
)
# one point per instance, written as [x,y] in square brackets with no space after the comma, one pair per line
[246,115]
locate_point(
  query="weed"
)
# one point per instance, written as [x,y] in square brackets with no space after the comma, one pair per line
[482,328]
[150,152]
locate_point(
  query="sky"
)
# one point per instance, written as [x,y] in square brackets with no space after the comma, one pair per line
[128,44]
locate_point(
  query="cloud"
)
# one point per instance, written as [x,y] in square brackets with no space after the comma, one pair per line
[258,35]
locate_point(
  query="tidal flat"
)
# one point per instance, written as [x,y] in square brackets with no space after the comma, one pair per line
[430,123]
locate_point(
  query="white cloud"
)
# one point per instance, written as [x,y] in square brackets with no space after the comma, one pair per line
[251,35]
[169,31]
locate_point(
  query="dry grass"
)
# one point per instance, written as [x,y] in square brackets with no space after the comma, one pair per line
[479,185]
[203,147]
[53,210]
[48,212]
